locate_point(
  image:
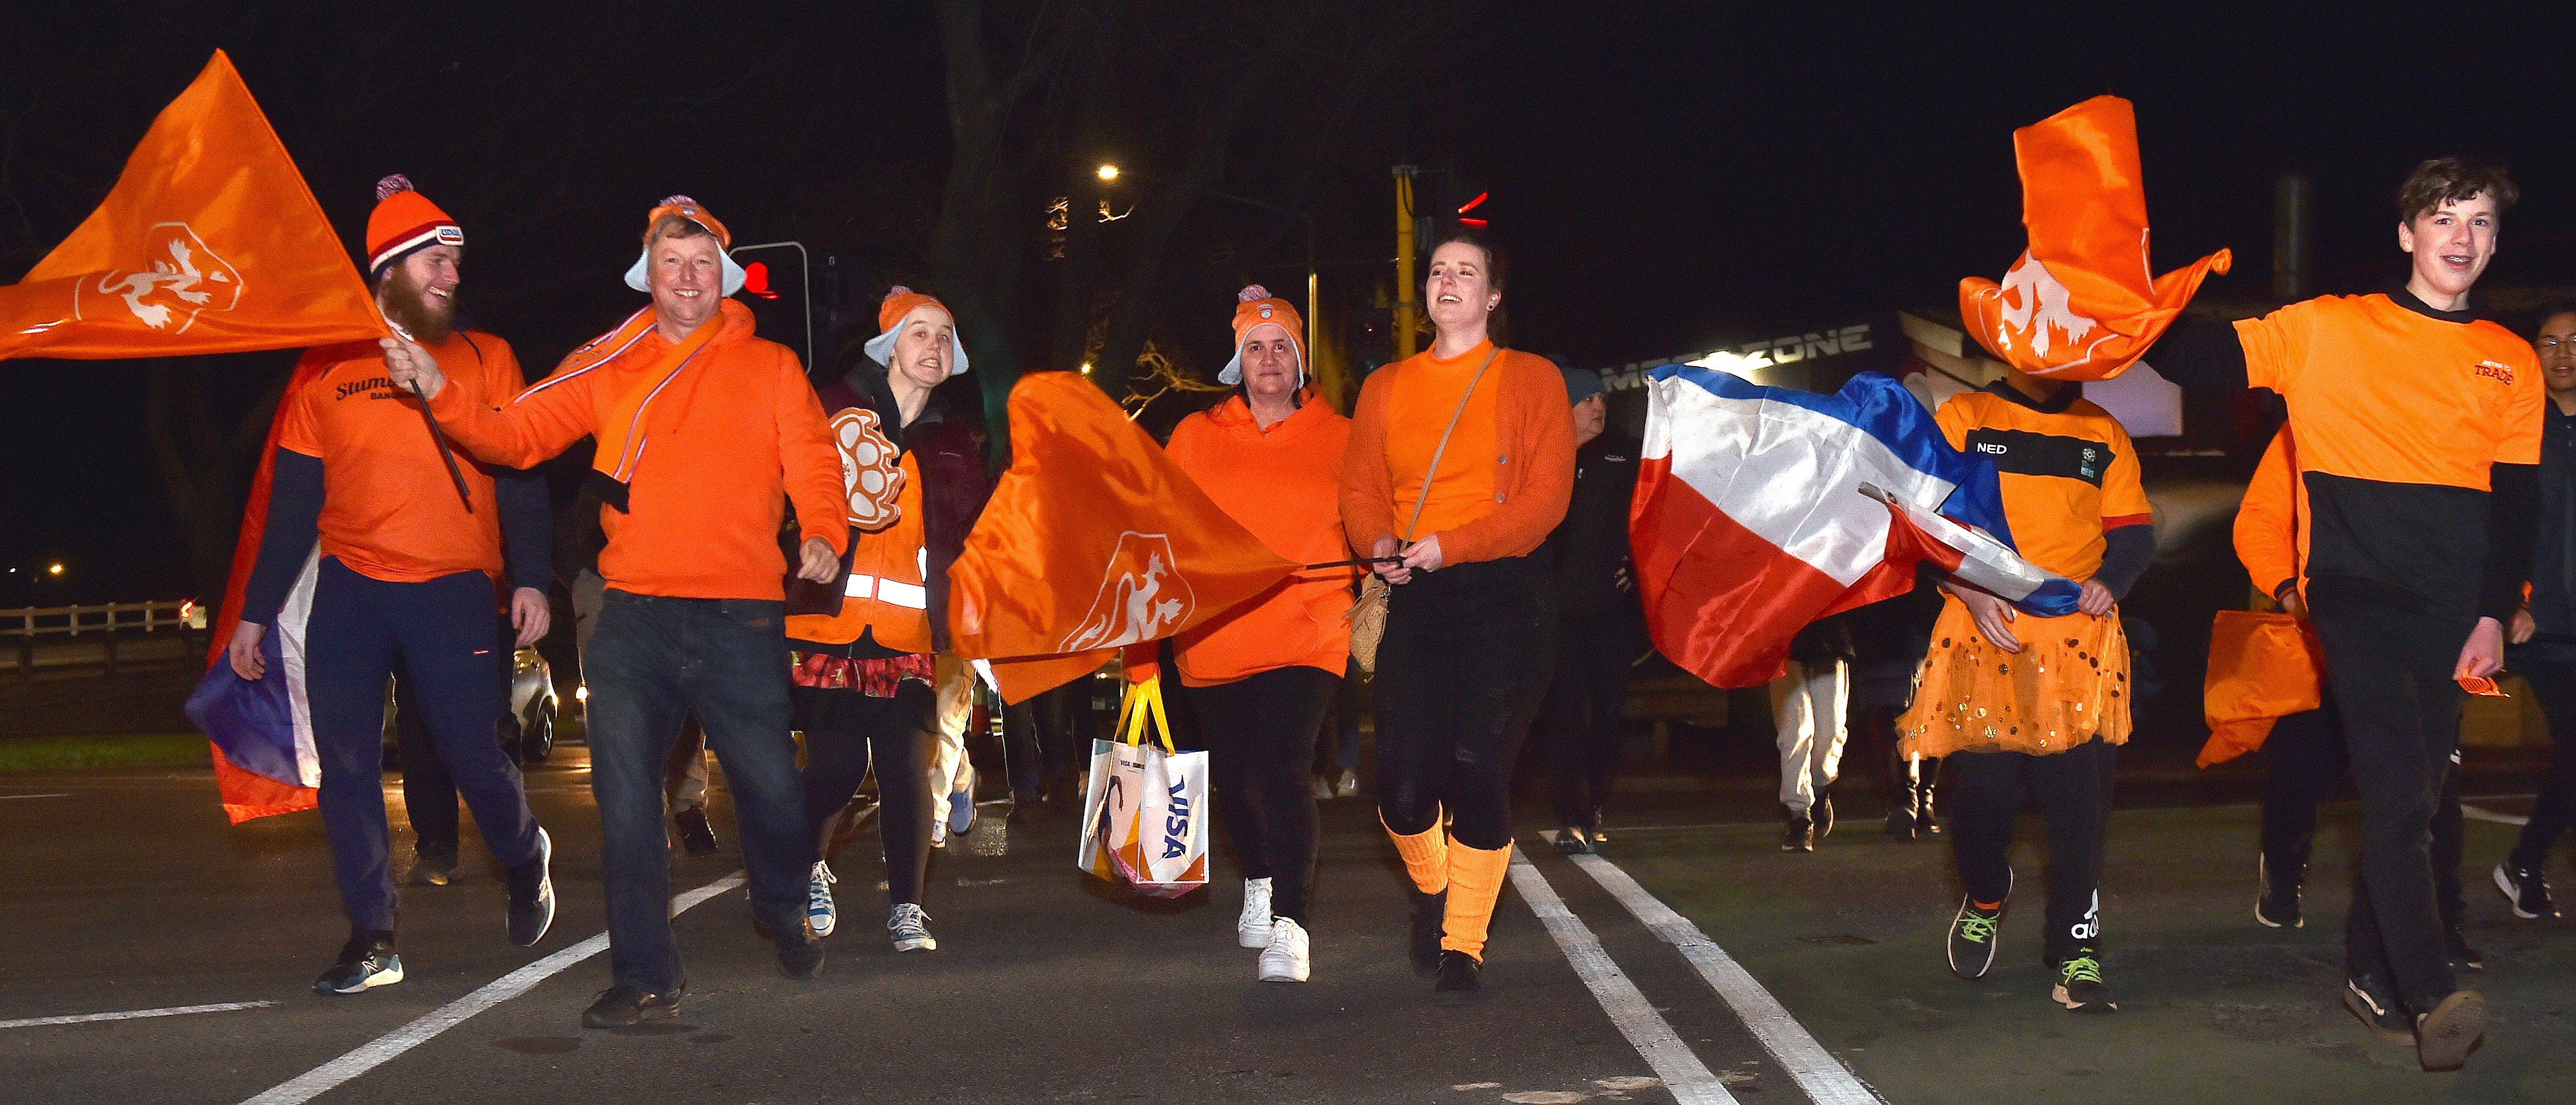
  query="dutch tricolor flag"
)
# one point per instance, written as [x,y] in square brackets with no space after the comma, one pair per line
[1761,509]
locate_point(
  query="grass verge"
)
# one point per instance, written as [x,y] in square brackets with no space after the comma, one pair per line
[106,750]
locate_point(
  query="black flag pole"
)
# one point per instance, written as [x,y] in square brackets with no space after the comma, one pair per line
[445,454]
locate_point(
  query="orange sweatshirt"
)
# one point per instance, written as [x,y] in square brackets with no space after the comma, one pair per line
[728,443]
[2272,525]
[1283,484]
[1526,454]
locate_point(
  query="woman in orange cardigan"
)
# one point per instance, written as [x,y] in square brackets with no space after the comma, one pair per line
[1259,676]
[1461,462]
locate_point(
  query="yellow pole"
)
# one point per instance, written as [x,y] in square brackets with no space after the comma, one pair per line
[1405,290]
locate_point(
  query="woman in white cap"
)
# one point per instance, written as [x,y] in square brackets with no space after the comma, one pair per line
[1259,677]
[862,649]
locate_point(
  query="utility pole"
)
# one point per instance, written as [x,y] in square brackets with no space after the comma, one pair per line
[1406,289]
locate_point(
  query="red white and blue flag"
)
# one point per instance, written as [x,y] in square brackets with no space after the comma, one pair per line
[1762,509]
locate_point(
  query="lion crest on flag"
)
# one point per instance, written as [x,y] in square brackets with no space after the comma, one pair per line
[181,280]
[1142,597]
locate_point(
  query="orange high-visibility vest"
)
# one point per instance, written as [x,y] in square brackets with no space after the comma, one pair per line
[888,590]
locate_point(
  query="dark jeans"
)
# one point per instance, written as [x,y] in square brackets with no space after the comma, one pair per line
[429,792]
[845,731]
[1460,672]
[1043,742]
[2073,789]
[653,660]
[1260,735]
[2390,665]
[2553,682]
[438,635]
[1581,720]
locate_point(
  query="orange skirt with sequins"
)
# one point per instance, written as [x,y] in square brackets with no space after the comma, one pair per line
[2069,684]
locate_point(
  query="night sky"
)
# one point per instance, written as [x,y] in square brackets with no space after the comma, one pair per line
[1662,183]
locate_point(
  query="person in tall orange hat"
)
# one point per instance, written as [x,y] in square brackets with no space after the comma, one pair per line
[913,483]
[706,433]
[408,580]
[1259,677]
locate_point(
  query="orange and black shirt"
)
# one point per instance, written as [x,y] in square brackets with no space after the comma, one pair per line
[2405,417]
[2069,475]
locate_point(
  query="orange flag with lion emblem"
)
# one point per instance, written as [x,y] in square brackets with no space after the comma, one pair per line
[2081,303]
[1093,540]
[209,243]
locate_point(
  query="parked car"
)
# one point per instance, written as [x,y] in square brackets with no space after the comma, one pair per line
[527,732]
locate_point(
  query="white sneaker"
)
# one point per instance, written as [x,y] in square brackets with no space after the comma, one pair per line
[1349,785]
[1284,958]
[910,928]
[1323,789]
[819,911]
[1252,930]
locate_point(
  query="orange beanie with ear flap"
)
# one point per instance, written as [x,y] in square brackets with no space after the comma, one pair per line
[1257,308]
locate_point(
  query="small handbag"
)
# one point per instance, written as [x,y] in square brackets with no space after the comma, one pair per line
[1368,616]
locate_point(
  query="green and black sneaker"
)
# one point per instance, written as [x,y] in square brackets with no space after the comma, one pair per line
[2079,984]
[1973,936]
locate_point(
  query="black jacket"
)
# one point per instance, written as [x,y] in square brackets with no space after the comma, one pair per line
[1588,552]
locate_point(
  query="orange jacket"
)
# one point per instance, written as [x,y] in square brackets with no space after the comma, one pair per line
[887,596]
[1282,484]
[1533,434]
[2272,525]
[733,438]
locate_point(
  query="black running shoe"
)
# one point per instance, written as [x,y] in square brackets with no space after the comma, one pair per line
[1571,841]
[433,866]
[2372,999]
[1458,984]
[1800,835]
[628,1006]
[1822,813]
[2463,957]
[2080,987]
[2445,1036]
[2528,892]
[2276,900]
[1900,817]
[697,837]
[1973,935]
[367,961]
[1424,944]
[532,895]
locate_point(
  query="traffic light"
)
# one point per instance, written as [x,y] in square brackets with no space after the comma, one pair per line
[1470,205]
[779,295]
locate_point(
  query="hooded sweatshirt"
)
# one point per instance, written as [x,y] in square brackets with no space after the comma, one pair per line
[726,444]
[1283,484]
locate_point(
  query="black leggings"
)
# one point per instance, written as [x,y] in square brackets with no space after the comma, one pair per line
[1465,660]
[1582,723]
[1260,735]
[2073,789]
[844,730]
[2553,682]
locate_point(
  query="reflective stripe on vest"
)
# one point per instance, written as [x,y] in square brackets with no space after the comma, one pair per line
[893,592]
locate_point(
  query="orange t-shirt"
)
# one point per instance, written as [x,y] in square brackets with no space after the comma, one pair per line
[389,510]
[2271,531]
[2067,477]
[1284,485]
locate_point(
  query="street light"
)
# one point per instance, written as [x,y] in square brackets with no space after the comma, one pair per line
[1109,172]
[57,569]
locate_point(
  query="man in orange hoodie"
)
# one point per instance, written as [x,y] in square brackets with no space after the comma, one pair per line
[704,432]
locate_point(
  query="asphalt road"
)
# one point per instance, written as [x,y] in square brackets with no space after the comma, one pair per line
[125,891]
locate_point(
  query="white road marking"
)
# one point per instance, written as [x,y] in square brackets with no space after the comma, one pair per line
[1646,1030]
[136,1014]
[6,797]
[2480,813]
[1823,1077]
[374,1053]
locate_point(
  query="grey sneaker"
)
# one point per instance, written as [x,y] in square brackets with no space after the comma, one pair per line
[820,914]
[910,928]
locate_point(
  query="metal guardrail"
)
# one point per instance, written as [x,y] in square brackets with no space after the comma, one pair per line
[76,640]
[72,621]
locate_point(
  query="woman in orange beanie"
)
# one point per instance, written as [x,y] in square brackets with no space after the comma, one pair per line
[1259,677]
[1461,463]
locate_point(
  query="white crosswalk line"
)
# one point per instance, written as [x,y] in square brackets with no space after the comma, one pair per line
[375,1053]
[1824,1078]
[1646,1030]
[137,1014]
